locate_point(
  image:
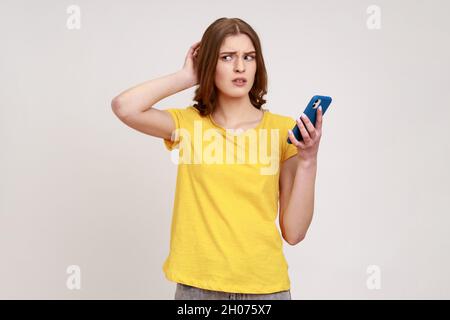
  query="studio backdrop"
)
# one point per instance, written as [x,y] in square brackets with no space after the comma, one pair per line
[86,202]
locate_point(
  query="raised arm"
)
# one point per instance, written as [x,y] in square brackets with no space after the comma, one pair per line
[134,106]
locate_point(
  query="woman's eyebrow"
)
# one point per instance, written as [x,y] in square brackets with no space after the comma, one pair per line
[236,51]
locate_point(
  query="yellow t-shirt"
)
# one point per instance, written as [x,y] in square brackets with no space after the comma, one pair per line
[224,234]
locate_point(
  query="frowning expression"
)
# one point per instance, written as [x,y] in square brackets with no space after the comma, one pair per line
[237,59]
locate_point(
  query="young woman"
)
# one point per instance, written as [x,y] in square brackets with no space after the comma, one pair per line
[235,165]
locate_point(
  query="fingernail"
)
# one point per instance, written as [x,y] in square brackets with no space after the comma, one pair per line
[320,108]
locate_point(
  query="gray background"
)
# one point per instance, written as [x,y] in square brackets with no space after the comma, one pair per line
[78,187]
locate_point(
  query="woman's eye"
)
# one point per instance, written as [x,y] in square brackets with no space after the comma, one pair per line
[252,57]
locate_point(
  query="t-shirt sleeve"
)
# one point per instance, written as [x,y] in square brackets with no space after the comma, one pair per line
[288,149]
[178,118]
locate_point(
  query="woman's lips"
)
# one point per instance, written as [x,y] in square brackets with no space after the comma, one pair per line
[239,83]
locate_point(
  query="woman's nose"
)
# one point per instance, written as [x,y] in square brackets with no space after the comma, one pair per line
[239,65]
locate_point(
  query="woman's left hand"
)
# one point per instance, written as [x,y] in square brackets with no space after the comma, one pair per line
[307,150]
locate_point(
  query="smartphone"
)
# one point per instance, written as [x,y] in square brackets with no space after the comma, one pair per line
[310,112]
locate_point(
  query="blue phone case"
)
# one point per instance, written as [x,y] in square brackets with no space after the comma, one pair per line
[310,112]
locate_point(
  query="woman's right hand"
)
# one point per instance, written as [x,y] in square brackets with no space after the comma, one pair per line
[190,63]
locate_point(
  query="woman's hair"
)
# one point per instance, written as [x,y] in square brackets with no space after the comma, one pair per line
[206,62]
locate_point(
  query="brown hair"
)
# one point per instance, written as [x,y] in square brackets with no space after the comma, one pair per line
[206,93]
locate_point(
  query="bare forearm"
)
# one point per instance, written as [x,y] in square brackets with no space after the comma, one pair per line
[143,96]
[300,208]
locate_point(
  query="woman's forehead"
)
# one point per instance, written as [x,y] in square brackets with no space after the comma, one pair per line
[237,43]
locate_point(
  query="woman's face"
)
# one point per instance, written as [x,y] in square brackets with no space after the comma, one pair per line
[237,58]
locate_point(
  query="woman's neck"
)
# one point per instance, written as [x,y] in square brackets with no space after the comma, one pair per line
[233,115]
